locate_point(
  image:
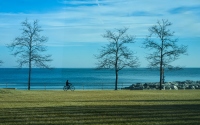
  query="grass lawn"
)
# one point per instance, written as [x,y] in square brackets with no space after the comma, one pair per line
[151,107]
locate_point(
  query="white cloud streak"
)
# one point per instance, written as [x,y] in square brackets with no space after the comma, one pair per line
[85,21]
[88,19]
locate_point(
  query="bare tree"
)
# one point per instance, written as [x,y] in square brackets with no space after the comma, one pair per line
[29,47]
[116,55]
[162,41]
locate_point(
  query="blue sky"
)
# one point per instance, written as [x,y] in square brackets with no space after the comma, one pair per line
[74,27]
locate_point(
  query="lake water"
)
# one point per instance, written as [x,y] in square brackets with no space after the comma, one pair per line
[88,78]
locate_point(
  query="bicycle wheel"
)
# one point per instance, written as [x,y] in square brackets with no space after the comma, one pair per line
[72,88]
[65,88]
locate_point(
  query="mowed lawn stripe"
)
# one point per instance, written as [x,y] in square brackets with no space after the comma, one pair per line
[104,114]
[100,107]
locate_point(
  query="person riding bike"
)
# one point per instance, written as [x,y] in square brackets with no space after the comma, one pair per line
[68,84]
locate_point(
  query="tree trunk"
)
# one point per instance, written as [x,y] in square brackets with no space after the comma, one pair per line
[161,70]
[29,77]
[29,71]
[161,63]
[161,77]
[116,79]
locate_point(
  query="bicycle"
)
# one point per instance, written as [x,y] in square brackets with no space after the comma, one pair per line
[70,87]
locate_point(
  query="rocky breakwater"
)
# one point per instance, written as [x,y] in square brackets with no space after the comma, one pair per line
[176,85]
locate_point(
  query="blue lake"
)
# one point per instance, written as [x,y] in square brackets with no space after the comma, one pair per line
[88,78]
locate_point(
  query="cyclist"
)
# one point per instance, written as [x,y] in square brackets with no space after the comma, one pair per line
[68,84]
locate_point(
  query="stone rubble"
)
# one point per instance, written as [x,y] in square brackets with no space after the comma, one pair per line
[176,85]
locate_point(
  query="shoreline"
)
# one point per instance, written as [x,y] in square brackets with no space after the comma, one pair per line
[175,85]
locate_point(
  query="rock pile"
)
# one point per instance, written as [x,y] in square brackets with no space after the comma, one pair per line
[176,85]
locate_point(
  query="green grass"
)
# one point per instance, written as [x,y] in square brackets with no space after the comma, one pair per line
[100,107]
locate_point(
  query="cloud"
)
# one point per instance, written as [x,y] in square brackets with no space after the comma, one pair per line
[144,13]
[185,9]
[85,21]
[80,23]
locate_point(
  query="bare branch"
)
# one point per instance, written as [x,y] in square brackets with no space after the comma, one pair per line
[29,47]
[116,54]
[165,48]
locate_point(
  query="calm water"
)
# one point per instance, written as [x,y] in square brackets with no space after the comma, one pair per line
[88,78]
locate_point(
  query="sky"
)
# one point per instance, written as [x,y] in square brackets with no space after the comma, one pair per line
[75,27]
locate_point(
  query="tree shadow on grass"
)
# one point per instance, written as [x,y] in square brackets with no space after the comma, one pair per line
[99,101]
[102,114]
[196,100]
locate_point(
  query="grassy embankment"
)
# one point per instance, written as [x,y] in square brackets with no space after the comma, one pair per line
[100,107]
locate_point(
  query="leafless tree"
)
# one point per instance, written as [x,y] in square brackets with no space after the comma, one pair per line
[165,50]
[29,47]
[116,55]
